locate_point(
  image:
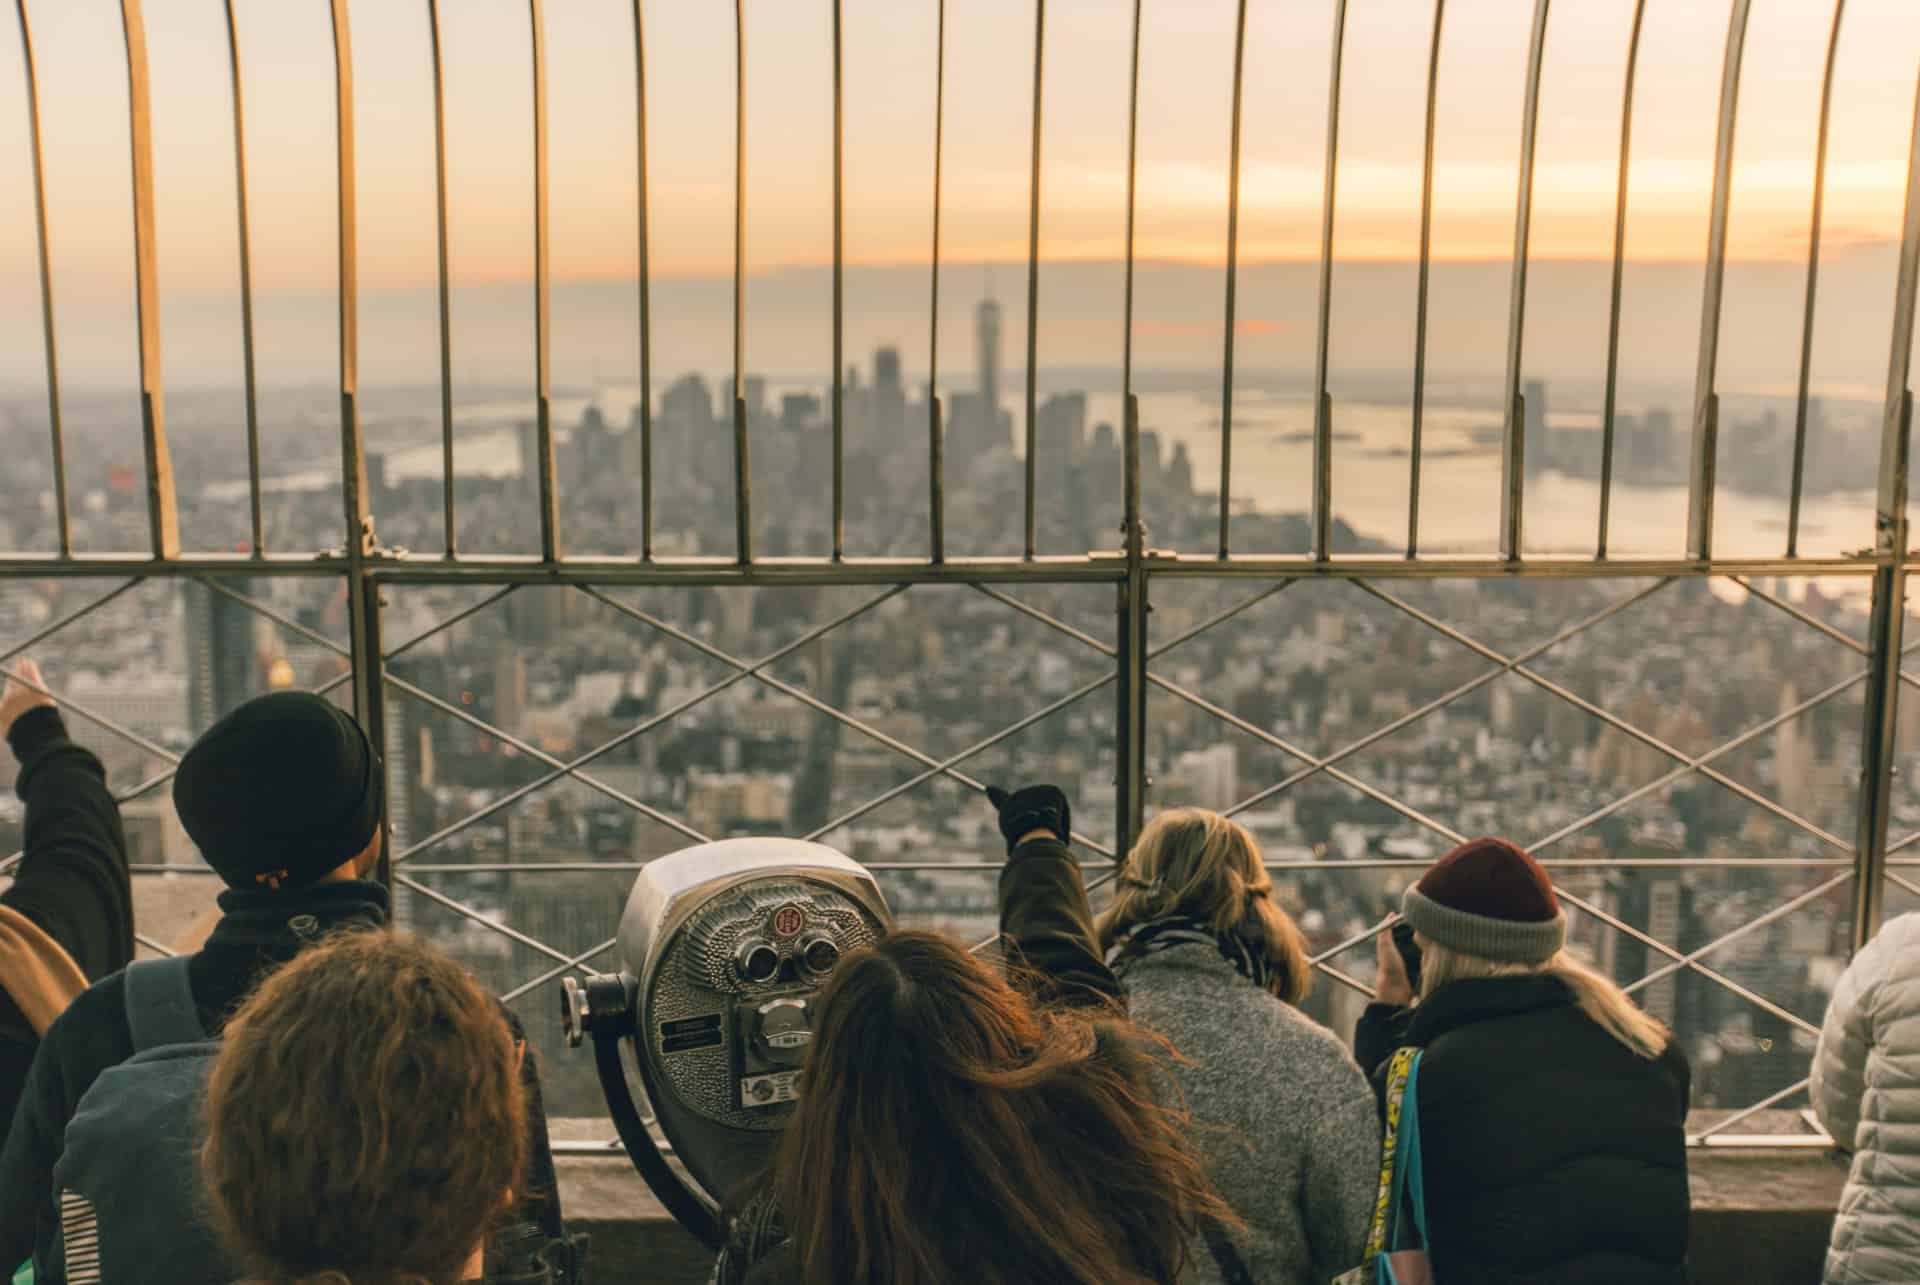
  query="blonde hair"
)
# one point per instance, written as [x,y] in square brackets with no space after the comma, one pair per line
[1611,1008]
[1192,861]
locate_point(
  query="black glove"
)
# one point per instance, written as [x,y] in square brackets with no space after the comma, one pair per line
[1033,807]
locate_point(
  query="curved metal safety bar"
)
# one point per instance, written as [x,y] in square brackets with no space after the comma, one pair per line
[1233,278]
[1706,398]
[742,473]
[447,471]
[839,303]
[163,518]
[1513,475]
[259,541]
[1033,242]
[1814,227]
[31,83]
[642,206]
[542,293]
[936,436]
[1420,289]
[1322,513]
[1609,403]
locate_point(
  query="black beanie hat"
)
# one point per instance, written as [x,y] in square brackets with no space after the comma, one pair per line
[281,791]
[1489,898]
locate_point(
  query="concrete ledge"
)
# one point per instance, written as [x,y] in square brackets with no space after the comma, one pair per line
[1759,1216]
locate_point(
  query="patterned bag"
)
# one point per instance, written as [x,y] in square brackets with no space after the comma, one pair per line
[1389,1259]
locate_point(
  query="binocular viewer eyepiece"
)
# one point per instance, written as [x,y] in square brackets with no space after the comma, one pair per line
[723,950]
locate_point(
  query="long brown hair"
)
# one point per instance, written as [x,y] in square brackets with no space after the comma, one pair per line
[365,1119]
[951,1131]
[1194,862]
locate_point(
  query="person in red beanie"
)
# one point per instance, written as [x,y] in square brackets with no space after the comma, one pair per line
[1552,1110]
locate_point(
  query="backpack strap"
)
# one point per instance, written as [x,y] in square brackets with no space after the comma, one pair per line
[160,1007]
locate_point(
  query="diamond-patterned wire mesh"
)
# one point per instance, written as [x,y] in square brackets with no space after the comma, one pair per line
[216,643]
[609,727]
[1686,752]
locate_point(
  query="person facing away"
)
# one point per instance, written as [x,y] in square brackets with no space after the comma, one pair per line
[961,1124]
[366,1123]
[284,798]
[1282,1114]
[67,917]
[1866,1092]
[1552,1111]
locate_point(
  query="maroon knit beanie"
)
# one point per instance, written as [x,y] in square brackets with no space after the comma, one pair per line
[1488,898]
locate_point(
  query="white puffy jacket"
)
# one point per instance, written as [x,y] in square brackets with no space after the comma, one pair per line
[1866,1089]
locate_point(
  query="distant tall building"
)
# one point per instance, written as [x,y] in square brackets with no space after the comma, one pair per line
[888,402]
[223,653]
[886,367]
[987,354]
[976,424]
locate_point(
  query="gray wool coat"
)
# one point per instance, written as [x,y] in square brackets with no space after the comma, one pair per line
[1283,1116]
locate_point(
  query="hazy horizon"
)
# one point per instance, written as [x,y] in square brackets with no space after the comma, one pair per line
[1178,326]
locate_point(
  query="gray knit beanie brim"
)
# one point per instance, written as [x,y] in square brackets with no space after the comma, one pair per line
[1509,941]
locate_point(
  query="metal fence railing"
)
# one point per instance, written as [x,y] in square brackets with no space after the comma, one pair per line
[1857,862]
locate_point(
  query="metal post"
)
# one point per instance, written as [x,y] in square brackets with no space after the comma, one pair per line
[163,519]
[1880,733]
[936,442]
[1131,777]
[1513,492]
[374,716]
[1813,281]
[1233,276]
[446,319]
[1619,271]
[1133,150]
[1033,256]
[1706,399]
[61,512]
[258,527]
[542,295]
[362,630]
[646,284]
[839,309]
[1420,290]
[742,480]
[1322,538]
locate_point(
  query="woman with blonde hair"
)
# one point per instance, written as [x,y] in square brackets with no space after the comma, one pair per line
[1552,1111]
[1284,1118]
[365,1119]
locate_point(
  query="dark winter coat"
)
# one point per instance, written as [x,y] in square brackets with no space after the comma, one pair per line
[1551,1151]
[257,932]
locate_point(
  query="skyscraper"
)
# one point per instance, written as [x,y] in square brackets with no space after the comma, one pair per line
[976,425]
[987,356]
[223,653]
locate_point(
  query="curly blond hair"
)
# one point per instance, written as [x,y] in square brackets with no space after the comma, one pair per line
[365,1119]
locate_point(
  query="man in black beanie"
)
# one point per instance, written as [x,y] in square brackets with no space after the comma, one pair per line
[284,798]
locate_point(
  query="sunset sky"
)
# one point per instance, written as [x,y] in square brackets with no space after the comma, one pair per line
[1185,87]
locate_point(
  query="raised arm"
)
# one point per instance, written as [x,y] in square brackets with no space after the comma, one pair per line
[1046,922]
[72,879]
